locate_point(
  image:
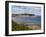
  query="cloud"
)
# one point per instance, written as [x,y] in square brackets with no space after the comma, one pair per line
[26,9]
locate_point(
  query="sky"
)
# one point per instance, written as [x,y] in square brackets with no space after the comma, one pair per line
[26,9]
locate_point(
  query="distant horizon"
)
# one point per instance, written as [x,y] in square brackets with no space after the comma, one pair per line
[25,14]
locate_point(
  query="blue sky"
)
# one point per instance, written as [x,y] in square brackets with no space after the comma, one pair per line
[26,9]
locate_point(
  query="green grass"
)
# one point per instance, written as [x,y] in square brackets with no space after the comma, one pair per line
[17,27]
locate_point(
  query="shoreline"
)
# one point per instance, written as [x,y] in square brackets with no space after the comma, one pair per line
[18,27]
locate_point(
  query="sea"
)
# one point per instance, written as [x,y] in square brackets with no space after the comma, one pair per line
[31,19]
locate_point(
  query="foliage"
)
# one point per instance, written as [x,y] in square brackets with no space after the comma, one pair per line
[17,27]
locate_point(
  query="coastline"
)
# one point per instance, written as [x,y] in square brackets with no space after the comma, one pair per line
[19,27]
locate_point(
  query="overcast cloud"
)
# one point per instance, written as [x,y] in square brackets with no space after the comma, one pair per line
[25,9]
